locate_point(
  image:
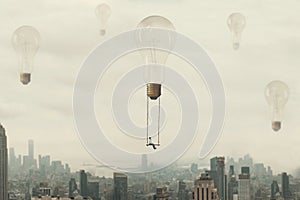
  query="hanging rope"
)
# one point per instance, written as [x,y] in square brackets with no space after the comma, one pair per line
[147,121]
[158,124]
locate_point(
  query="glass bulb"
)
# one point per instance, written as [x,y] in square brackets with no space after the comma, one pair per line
[236,23]
[277,95]
[153,57]
[103,13]
[26,40]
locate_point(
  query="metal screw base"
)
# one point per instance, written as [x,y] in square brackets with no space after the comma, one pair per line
[153,90]
[25,78]
[276,125]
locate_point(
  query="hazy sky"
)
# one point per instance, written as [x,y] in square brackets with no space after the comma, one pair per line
[269,50]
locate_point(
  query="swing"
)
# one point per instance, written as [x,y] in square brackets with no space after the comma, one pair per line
[149,139]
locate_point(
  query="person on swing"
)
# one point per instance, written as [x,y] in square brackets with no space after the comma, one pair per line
[151,143]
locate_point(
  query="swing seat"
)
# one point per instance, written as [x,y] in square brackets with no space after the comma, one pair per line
[152,144]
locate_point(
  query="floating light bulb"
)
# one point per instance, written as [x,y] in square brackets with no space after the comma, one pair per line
[153,57]
[26,41]
[236,23]
[277,95]
[103,12]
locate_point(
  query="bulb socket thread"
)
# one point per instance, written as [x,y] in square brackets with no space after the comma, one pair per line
[153,90]
[276,125]
[25,78]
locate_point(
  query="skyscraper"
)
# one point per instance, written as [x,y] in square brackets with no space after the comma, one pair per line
[274,190]
[232,183]
[204,188]
[44,161]
[12,164]
[232,187]
[244,184]
[28,160]
[285,184]
[12,157]
[182,191]
[217,173]
[83,184]
[72,187]
[3,164]
[231,171]
[31,150]
[120,186]
[93,190]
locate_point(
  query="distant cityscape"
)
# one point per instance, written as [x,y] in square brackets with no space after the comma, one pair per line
[27,178]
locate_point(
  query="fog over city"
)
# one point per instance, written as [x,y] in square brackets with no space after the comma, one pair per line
[269,50]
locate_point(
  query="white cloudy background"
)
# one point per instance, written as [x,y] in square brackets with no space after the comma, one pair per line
[269,50]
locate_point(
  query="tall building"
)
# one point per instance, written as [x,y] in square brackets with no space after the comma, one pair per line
[3,164]
[182,191]
[44,164]
[19,161]
[204,188]
[259,169]
[217,173]
[57,167]
[12,157]
[28,160]
[44,161]
[12,163]
[232,187]
[231,171]
[285,184]
[244,184]
[93,190]
[83,184]
[31,150]
[274,190]
[232,183]
[120,186]
[72,187]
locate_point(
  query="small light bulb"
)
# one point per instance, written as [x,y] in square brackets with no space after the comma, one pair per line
[26,41]
[277,95]
[236,23]
[103,12]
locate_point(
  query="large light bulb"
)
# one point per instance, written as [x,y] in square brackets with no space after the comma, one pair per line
[277,95]
[147,35]
[26,41]
[103,13]
[236,23]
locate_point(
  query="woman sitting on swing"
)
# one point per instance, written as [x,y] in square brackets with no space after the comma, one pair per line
[151,143]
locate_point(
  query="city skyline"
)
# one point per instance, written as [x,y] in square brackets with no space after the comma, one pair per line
[38,158]
[254,181]
[43,109]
